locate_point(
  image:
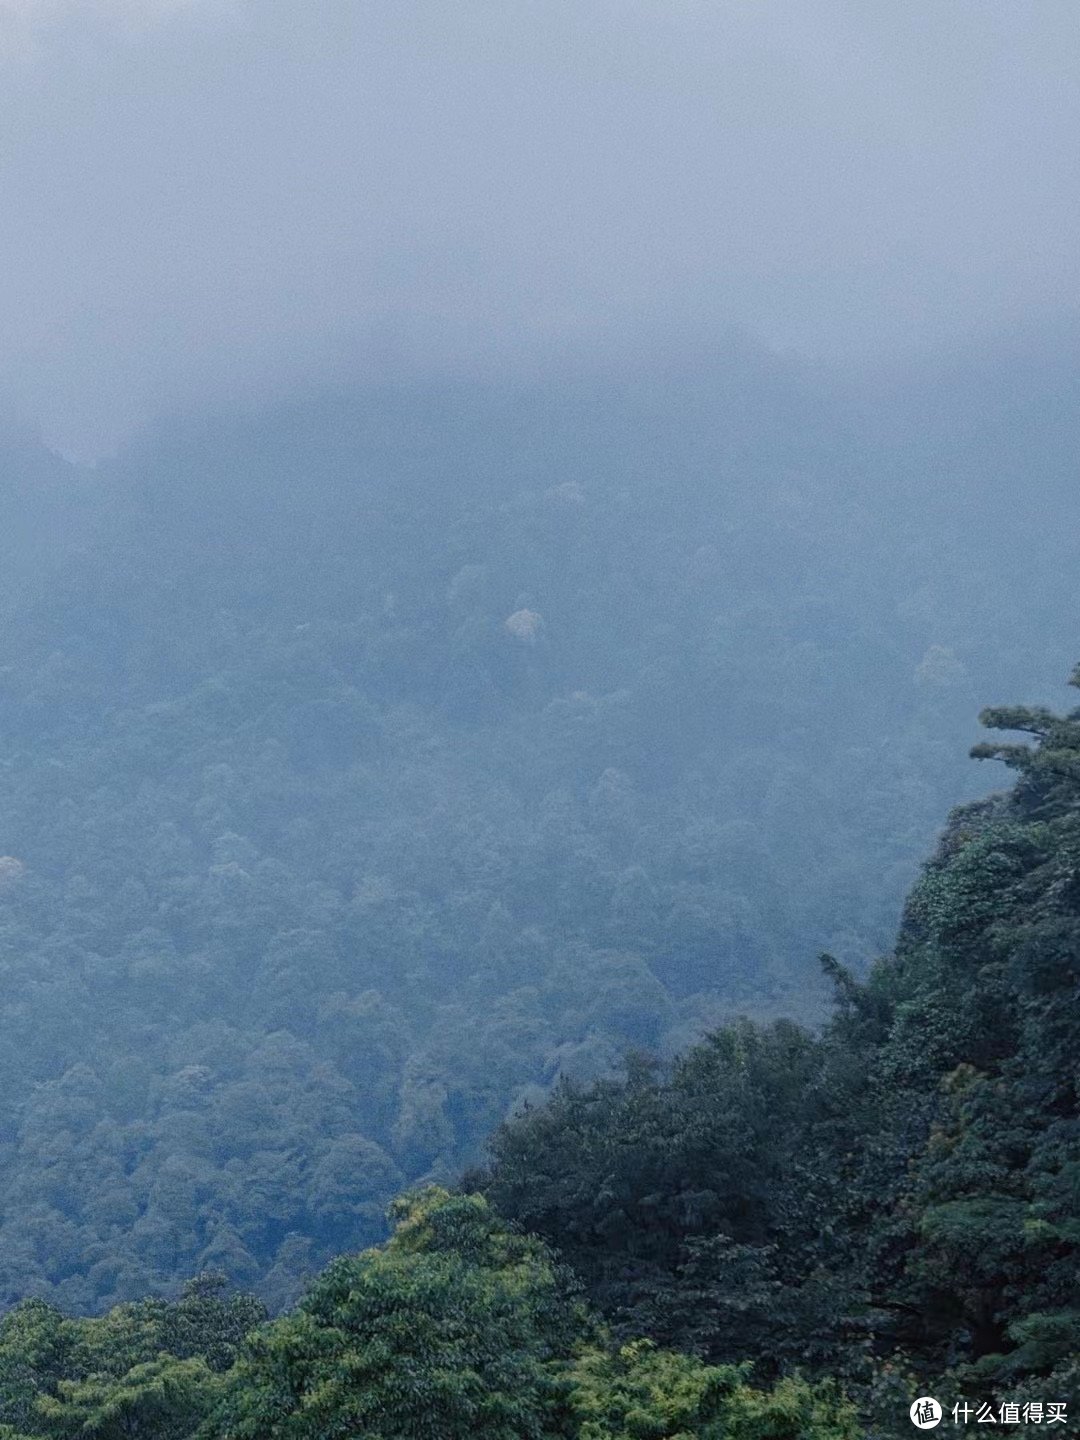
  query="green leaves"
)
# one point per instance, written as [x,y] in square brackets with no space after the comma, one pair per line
[149,1369]
[641,1393]
[693,1201]
[162,1399]
[903,1191]
[460,1327]
[451,1330]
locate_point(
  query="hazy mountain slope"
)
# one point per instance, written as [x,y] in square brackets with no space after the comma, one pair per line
[381,758]
[884,1207]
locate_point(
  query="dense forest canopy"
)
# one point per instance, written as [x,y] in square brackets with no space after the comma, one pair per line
[369,764]
[457,1328]
[785,1235]
[539,784]
[894,1200]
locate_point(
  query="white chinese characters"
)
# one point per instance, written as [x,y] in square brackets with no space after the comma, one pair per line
[1034,1412]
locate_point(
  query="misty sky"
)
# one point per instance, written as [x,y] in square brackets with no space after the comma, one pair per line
[204,199]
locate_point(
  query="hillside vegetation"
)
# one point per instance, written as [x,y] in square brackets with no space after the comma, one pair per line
[894,1200]
[370,764]
[786,1235]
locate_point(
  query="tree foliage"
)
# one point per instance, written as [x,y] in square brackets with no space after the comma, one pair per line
[899,1191]
[451,1329]
[148,1369]
[458,1327]
[288,807]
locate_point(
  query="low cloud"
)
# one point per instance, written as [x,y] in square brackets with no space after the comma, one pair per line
[28,28]
[202,198]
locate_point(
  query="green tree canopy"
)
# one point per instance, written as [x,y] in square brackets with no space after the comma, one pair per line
[451,1330]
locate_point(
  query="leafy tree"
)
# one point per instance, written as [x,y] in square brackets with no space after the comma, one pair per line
[152,1368]
[641,1393]
[163,1399]
[452,1329]
[690,1202]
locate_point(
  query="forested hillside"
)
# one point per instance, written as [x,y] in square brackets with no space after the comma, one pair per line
[785,1235]
[368,764]
[893,1201]
[457,1328]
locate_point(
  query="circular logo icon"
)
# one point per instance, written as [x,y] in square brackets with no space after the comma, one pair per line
[925,1413]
